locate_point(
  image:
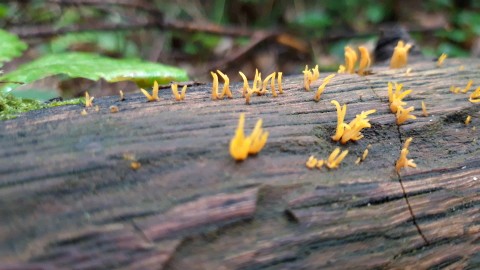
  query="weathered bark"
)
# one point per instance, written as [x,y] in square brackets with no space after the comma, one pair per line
[69,199]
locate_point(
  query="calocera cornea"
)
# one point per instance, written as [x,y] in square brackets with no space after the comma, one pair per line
[310,76]
[424,109]
[404,114]
[350,59]
[364,155]
[351,131]
[122,96]
[154,95]
[468,119]
[226,86]
[396,98]
[241,146]
[400,55]
[467,87]
[402,161]
[475,96]
[365,60]
[441,59]
[311,162]
[321,88]
[247,92]
[88,100]
[181,96]
[335,158]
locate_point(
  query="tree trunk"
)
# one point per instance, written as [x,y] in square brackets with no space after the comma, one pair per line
[69,198]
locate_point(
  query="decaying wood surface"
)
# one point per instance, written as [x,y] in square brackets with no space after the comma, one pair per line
[69,199]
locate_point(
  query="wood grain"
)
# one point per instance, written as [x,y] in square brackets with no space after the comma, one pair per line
[69,199]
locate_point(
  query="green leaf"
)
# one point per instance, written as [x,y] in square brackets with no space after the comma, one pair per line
[10,46]
[93,67]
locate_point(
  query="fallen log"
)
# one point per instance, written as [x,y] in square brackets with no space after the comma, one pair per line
[69,197]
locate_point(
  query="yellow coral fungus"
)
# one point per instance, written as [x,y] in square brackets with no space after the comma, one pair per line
[365,60]
[246,90]
[135,165]
[475,96]
[469,85]
[270,78]
[404,114]
[350,59]
[309,76]
[441,59]
[214,86]
[88,100]
[467,121]
[402,161]
[336,158]
[226,86]
[365,154]
[346,132]
[241,146]
[175,93]
[122,97]
[352,129]
[84,112]
[454,89]
[321,88]
[424,109]
[320,163]
[400,55]
[341,111]
[311,162]
[258,138]
[395,98]
[154,95]
[279,81]
[341,69]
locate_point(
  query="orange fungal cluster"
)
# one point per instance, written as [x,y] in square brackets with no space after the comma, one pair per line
[241,146]
[400,55]
[351,131]
[402,161]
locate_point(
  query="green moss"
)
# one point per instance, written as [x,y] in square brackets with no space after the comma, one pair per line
[11,106]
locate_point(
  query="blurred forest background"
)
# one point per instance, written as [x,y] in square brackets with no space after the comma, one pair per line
[241,35]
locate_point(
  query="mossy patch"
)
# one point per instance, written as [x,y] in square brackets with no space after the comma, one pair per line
[11,106]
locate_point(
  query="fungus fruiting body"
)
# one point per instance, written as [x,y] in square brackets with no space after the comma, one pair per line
[402,161]
[122,97]
[469,85]
[175,93]
[404,114]
[309,76]
[365,60]
[396,98]
[351,131]
[350,60]
[475,96]
[226,86]
[441,59]
[154,95]
[83,112]
[321,88]
[279,82]
[424,109]
[400,55]
[88,100]
[311,162]
[336,158]
[468,119]
[241,146]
